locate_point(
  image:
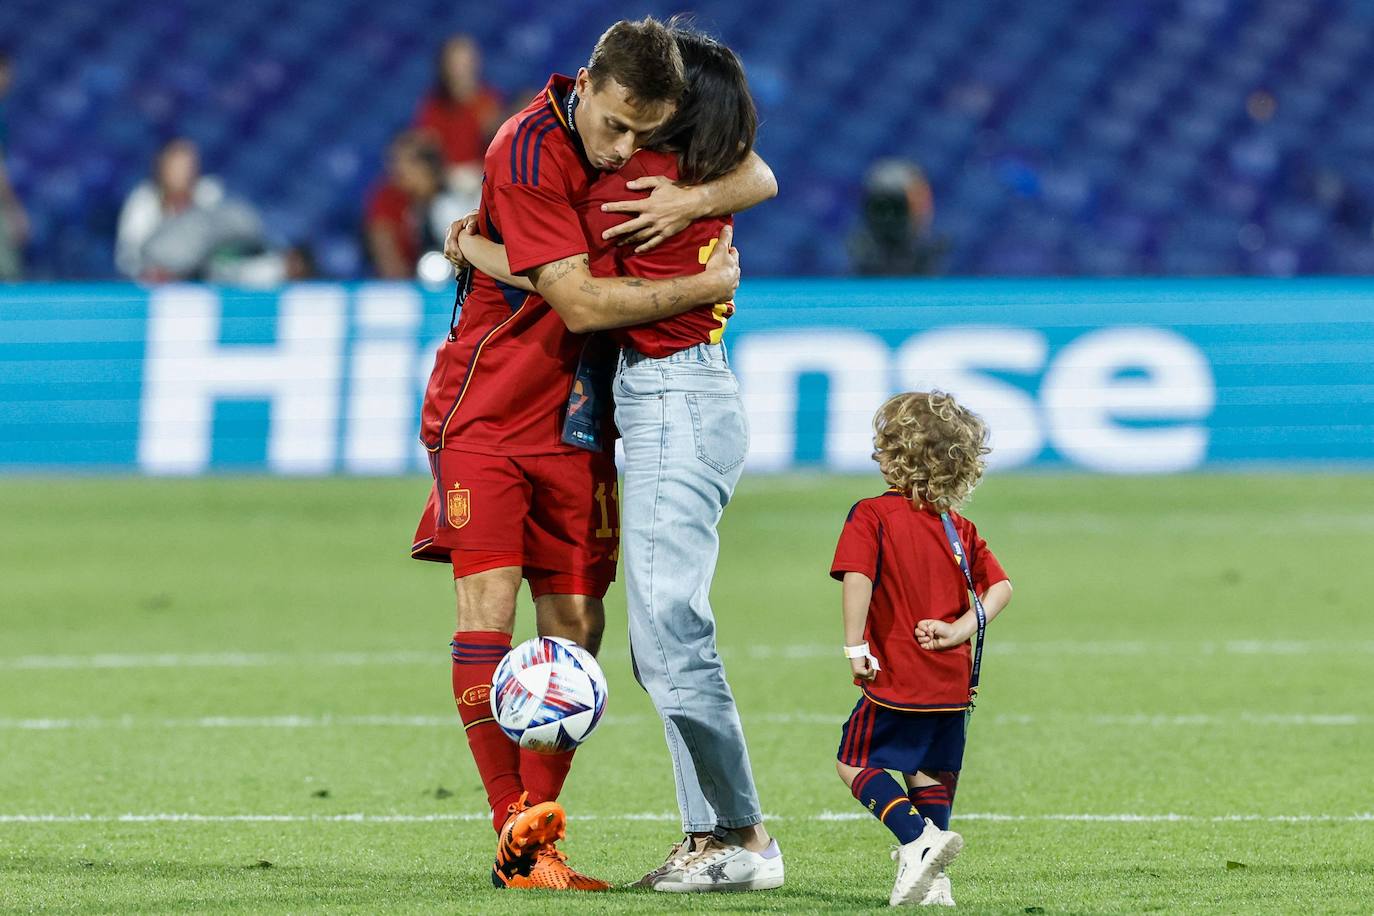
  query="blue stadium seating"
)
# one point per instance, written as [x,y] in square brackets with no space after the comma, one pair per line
[1096,137]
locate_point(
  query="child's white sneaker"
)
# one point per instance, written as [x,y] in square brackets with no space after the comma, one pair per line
[920,861]
[940,893]
[723,866]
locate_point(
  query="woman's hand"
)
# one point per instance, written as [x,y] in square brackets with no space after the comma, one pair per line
[452,250]
[667,210]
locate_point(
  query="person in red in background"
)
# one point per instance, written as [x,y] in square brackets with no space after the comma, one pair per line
[678,408]
[461,114]
[524,472]
[406,212]
[14,222]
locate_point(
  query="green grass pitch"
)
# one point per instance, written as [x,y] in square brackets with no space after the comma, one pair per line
[201,677]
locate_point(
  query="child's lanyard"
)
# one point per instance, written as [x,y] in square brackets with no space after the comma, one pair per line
[957,546]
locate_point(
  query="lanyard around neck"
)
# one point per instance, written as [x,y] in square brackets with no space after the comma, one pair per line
[961,556]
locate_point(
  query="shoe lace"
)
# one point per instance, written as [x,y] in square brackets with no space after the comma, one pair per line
[551,869]
[710,851]
[677,850]
[680,852]
[552,852]
[519,805]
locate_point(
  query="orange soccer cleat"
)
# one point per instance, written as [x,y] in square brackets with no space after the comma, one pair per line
[552,872]
[527,830]
[525,854]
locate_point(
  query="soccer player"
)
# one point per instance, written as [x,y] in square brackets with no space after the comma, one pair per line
[685,436]
[907,624]
[524,478]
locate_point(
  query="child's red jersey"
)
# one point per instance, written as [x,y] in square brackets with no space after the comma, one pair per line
[501,385]
[915,576]
[679,256]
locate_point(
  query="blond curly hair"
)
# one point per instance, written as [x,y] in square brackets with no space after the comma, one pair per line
[930,447]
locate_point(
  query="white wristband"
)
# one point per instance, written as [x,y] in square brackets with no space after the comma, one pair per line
[861,651]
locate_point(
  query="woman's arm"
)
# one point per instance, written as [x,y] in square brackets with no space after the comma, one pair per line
[671,207]
[490,258]
[587,303]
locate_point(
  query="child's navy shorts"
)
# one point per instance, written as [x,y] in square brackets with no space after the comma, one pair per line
[888,739]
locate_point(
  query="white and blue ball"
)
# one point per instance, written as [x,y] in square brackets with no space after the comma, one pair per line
[548,694]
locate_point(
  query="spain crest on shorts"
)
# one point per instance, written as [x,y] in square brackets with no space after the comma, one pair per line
[458,507]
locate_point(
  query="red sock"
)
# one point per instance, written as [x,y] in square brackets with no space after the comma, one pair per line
[476,654]
[543,774]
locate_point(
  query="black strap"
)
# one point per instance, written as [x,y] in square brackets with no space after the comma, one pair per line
[960,555]
[459,297]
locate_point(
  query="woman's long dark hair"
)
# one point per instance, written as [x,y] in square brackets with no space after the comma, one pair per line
[713,129]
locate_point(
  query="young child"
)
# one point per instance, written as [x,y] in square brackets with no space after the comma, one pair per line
[907,626]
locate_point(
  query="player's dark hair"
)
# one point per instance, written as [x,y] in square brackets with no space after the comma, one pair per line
[713,129]
[643,57]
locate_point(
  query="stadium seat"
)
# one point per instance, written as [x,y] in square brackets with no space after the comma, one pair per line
[1117,121]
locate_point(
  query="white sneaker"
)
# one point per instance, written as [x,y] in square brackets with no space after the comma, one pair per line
[723,866]
[920,861]
[679,851]
[940,893]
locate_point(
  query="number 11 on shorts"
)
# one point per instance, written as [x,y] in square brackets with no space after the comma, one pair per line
[607,530]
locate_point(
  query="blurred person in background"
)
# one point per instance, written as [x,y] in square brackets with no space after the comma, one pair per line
[895,236]
[14,222]
[461,114]
[410,211]
[179,224]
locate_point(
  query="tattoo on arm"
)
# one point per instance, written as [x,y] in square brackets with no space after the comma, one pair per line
[552,273]
[608,302]
[668,302]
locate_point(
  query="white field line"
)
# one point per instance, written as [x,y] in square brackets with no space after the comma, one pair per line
[1143,720]
[173,818]
[1195,523]
[218,660]
[803,651]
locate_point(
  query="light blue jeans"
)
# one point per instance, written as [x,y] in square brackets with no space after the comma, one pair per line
[685,438]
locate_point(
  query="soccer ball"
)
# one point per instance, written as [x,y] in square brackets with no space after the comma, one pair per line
[548,694]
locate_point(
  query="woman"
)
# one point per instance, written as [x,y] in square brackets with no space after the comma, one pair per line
[460,112]
[685,436]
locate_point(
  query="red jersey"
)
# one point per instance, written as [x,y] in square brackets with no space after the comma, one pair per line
[679,256]
[460,127]
[500,386]
[391,207]
[915,576]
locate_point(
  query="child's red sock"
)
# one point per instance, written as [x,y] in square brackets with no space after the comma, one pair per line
[935,802]
[886,800]
[543,774]
[476,654]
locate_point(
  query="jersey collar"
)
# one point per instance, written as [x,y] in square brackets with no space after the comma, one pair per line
[562,100]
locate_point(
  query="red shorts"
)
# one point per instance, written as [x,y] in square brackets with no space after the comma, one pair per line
[556,516]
